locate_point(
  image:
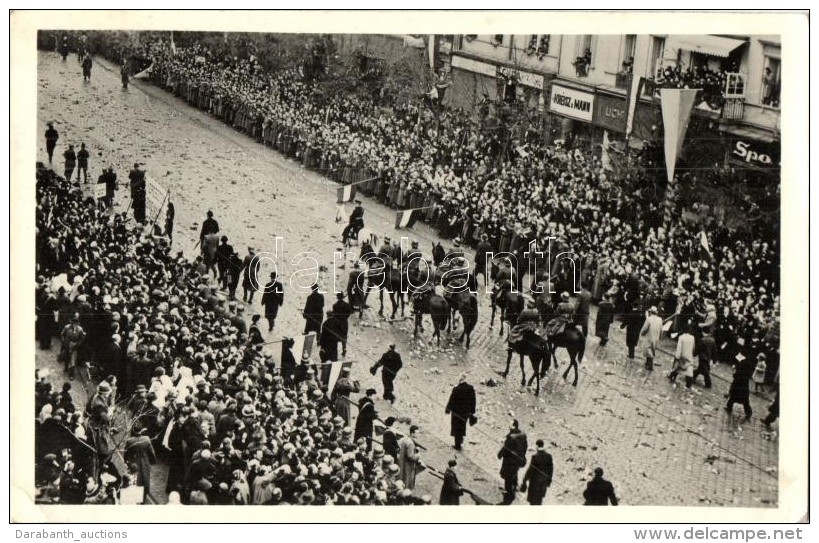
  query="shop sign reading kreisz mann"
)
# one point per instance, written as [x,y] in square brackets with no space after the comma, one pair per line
[572,103]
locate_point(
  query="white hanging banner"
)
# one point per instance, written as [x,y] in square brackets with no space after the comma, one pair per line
[676,105]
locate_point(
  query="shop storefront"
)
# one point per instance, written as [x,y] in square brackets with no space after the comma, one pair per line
[575,111]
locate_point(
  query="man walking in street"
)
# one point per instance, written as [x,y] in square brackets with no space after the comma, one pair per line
[366,415]
[409,459]
[684,358]
[538,477]
[480,258]
[740,391]
[223,253]
[582,310]
[391,363]
[272,300]
[313,311]
[137,178]
[461,408]
[70,163]
[51,137]
[599,491]
[86,68]
[250,279]
[451,490]
[705,350]
[605,316]
[652,329]
[82,163]
[138,450]
[513,457]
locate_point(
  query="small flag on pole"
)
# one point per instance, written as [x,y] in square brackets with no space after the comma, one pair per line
[705,253]
[345,194]
[335,372]
[406,218]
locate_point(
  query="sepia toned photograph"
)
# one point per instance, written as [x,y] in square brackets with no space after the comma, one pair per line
[374,269]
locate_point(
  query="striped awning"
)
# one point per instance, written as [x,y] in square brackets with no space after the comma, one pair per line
[707,45]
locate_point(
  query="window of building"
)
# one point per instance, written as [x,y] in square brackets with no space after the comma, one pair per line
[538,45]
[627,53]
[771,81]
[734,85]
[583,62]
[657,49]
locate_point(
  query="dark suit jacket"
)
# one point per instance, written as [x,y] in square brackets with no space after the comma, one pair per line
[539,474]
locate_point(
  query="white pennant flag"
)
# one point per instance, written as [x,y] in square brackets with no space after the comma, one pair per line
[676,105]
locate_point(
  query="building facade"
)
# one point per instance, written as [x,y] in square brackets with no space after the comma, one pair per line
[581,84]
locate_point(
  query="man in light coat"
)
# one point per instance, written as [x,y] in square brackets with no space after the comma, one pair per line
[652,330]
[409,459]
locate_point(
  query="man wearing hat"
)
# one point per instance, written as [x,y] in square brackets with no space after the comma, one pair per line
[461,406]
[109,179]
[223,253]
[391,364]
[513,457]
[341,395]
[652,330]
[272,299]
[313,311]
[355,224]
[409,459]
[138,450]
[138,194]
[451,490]
[605,316]
[342,311]
[366,415]
[390,439]
[72,337]
[599,491]
[356,282]
[483,249]
[70,162]
[740,390]
[385,250]
[538,477]
[51,137]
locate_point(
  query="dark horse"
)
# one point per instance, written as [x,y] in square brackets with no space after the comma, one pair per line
[428,302]
[465,303]
[383,278]
[574,342]
[530,344]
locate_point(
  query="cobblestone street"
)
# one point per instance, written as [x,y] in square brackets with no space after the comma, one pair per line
[659,444]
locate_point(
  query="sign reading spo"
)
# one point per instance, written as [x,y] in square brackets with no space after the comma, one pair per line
[572,103]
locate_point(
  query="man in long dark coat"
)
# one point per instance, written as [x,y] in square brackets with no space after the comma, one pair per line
[51,137]
[633,323]
[599,491]
[138,450]
[391,364]
[342,310]
[313,311]
[451,490]
[461,408]
[513,457]
[740,391]
[605,316]
[366,415]
[223,254]
[250,282]
[137,178]
[539,475]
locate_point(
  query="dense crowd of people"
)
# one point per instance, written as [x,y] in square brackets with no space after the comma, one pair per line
[711,82]
[179,378]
